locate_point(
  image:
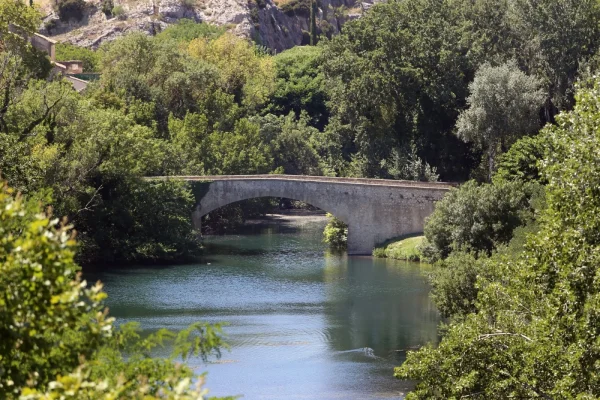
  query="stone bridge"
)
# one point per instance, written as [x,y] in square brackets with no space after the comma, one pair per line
[375,210]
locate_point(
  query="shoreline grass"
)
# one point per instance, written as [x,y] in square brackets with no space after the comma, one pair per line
[401,249]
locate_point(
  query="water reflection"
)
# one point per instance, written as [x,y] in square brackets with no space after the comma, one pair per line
[376,303]
[303,323]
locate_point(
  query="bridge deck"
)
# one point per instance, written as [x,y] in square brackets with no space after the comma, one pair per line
[307,178]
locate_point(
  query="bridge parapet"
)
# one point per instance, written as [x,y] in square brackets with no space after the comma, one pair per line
[309,178]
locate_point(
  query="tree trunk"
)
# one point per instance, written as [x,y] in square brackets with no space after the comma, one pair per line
[491,161]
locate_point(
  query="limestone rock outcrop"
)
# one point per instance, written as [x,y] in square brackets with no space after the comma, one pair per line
[276,24]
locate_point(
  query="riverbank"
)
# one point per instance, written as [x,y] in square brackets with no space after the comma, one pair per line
[404,249]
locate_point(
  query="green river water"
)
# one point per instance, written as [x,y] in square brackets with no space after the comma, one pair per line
[299,318]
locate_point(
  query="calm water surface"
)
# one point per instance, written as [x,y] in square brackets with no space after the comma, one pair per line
[299,318]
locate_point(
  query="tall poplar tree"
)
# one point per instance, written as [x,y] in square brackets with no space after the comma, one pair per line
[313,22]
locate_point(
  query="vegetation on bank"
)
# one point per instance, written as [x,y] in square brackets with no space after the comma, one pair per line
[58,340]
[407,249]
[523,318]
[335,233]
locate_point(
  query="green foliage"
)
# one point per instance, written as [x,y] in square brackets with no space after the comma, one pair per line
[67,52]
[478,218]
[521,161]
[18,13]
[453,283]
[48,318]
[300,85]
[57,339]
[186,30]
[25,60]
[91,166]
[244,72]
[411,63]
[119,12]
[335,233]
[409,166]
[536,328]
[403,249]
[240,151]
[71,10]
[554,37]
[293,144]
[503,105]
[296,8]
[405,85]
[141,222]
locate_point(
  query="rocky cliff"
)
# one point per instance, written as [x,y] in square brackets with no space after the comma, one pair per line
[276,24]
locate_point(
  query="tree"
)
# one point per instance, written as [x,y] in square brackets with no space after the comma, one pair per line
[478,218]
[405,85]
[454,284]
[44,301]
[57,339]
[313,22]
[138,222]
[536,329]
[521,161]
[17,13]
[17,22]
[245,73]
[292,143]
[186,30]
[553,38]
[300,85]
[503,105]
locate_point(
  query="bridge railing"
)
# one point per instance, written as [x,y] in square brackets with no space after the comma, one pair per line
[308,178]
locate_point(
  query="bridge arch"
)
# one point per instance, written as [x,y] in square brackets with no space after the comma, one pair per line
[233,192]
[374,210]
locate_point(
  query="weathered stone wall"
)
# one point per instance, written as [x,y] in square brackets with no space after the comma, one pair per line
[44,44]
[375,210]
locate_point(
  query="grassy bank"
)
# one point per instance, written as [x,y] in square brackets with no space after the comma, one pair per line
[401,249]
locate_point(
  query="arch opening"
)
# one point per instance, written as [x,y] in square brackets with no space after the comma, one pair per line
[231,216]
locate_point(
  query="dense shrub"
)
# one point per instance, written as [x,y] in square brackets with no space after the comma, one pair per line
[453,283]
[336,233]
[296,7]
[141,222]
[478,218]
[119,12]
[71,10]
[536,329]
[57,338]
[300,85]
[107,7]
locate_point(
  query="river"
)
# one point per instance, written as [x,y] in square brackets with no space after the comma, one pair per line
[302,323]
